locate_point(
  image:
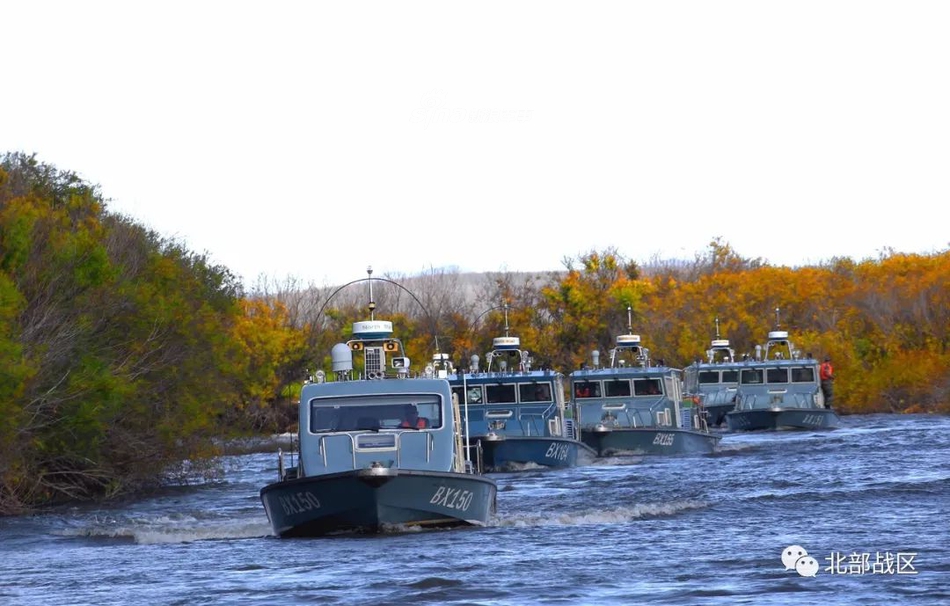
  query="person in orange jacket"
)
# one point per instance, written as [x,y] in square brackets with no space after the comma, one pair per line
[412,419]
[827,375]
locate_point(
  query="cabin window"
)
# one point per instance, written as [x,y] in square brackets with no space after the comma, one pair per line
[647,387]
[730,376]
[708,377]
[803,375]
[535,392]
[500,394]
[617,388]
[587,389]
[751,376]
[474,394]
[777,375]
[358,413]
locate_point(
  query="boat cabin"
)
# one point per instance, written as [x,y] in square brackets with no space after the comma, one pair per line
[509,397]
[779,377]
[780,383]
[380,417]
[631,392]
[714,380]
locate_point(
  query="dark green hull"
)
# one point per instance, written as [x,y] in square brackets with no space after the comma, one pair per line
[372,500]
[650,441]
[509,453]
[782,418]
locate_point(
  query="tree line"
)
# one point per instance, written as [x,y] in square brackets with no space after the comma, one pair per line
[126,358]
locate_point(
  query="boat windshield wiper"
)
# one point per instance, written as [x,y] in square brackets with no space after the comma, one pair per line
[367,424]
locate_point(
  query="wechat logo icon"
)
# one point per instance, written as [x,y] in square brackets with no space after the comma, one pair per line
[794,557]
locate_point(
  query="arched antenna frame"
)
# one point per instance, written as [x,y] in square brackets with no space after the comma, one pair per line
[394,283]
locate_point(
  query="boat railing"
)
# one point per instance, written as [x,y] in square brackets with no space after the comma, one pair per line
[641,415]
[474,460]
[664,406]
[702,424]
[532,423]
[805,399]
[746,401]
[285,471]
[570,429]
[635,417]
[412,435]
[695,418]
[719,396]
[783,398]
[323,450]
[280,464]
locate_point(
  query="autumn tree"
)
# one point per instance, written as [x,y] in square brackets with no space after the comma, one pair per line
[117,342]
[588,305]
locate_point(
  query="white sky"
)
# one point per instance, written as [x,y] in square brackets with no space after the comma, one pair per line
[311,139]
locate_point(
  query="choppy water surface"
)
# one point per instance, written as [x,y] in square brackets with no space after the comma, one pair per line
[680,530]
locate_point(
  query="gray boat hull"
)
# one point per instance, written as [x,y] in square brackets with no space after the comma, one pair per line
[782,418]
[651,441]
[372,500]
[512,451]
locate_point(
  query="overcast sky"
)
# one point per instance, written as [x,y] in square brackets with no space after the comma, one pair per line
[312,139]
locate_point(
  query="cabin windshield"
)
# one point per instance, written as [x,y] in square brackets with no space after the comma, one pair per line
[617,388]
[647,387]
[354,413]
[534,392]
[500,394]
[751,376]
[777,375]
[803,375]
[587,389]
[474,394]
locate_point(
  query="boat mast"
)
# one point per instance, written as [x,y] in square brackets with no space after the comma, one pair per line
[372,304]
[506,317]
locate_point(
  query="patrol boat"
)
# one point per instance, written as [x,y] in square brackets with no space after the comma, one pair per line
[515,415]
[711,385]
[633,407]
[365,465]
[778,389]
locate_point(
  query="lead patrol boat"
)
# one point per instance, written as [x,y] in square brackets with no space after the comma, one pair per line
[633,407]
[363,467]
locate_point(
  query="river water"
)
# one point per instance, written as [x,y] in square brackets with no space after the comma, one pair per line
[868,502]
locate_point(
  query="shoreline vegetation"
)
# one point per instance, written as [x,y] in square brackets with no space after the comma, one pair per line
[124,354]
